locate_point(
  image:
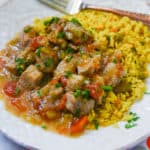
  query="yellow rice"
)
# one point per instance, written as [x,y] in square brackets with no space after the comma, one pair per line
[136,37]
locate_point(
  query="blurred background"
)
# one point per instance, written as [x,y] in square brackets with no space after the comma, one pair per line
[14,14]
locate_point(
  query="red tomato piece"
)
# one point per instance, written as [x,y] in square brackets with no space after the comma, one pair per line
[35,43]
[10,88]
[19,104]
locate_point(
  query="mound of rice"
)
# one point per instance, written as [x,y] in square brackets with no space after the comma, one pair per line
[133,39]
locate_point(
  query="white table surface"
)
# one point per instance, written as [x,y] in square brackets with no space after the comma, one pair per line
[22,12]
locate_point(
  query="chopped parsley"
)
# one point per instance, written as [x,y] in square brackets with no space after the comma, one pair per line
[107,87]
[78,113]
[38,52]
[19,61]
[17,91]
[57,85]
[48,62]
[39,93]
[85,94]
[68,74]
[52,20]
[77,93]
[68,59]
[69,50]
[115,60]
[132,122]
[43,126]
[75,21]
[96,124]
[37,65]
[20,65]
[27,29]
[147,92]
[61,35]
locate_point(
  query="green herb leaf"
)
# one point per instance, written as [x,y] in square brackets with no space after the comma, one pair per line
[115,61]
[130,125]
[43,126]
[68,59]
[39,93]
[77,93]
[48,62]
[20,65]
[86,94]
[68,74]
[37,65]
[107,87]
[61,35]
[38,52]
[78,113]
[69,50]
[52,20]
[96,124]
[75,21]
[19,61]
[147,92]
[17,91]
[27,29]
[57,85]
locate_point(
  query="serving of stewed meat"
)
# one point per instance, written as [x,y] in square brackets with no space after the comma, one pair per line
[60,73]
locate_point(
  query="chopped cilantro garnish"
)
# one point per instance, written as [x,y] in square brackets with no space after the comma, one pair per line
[27,29]
[78,113]
[131,122]
[52,20]
[20,65]
[39,93]
[106,87]
[17,91]
[38,52]
[19,61]
[68,74]
[69,50]
[68,59]
[147,92]
[61,35]
[77,92]
[96,124]
[85,94]
[37,65]
[48,62]
[57,85]
[43,126]
[115,61]
[130,125]
[75,21]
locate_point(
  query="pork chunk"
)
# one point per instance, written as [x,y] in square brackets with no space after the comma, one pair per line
[30,78]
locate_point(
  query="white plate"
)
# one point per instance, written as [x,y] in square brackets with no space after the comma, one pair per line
[108,138]
[13,17]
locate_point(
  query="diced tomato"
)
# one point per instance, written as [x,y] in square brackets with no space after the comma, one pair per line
[94,90]
[35,43]
[19,104]
[63,80]
[53,81]
[10,88]
[62,103]
[79,125]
